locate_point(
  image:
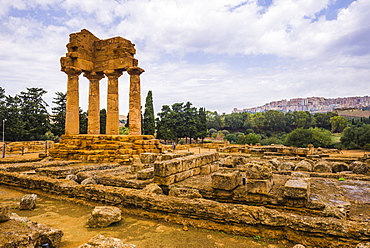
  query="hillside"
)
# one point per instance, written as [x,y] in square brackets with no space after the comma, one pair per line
[354,113]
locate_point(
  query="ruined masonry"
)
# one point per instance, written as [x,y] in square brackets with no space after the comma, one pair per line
[96,59]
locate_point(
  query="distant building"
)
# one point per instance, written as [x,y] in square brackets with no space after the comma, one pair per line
[310,104]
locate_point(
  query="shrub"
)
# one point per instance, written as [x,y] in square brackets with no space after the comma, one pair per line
[303,137]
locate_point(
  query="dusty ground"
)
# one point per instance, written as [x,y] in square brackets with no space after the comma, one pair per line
[145,233]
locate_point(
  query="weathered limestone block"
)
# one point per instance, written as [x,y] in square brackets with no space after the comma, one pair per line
[28,202]
[259,186]
[299,246]
[339,166]
[259,171]
[89,181]
[275,162]
[164,180]
[303,166]
[184,193]
[20,232]
[338,212]
[363,245]
[297,188]
[103,216]
[285,166]
[205,169]
[153,188]
[226,180]
[183,175]
[166,168]
[100,241]
[233,161]
[148,158]
[145,174]
[360,168]
[72,177]
[322,167]
[4,213]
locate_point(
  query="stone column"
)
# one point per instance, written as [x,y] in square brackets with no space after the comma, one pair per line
[72,105]
[135,100]
[93,124]
[112,102]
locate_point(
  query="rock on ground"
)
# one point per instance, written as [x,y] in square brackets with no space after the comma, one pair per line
[100,241]
[153,188]
[28,202]
[103,216]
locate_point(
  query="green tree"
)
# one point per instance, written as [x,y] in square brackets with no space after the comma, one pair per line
[58,117]
[166,124]
[83,121]
[148,119]
[14,125]
[103,121]
[301,137]
[235,121]
[202,124]
[323,119]
[214,120]
[338,124]
[303,119]
[190,121]
[34,113]
[274,121]
[356,137]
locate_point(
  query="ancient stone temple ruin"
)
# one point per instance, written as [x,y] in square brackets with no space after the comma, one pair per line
[96,59]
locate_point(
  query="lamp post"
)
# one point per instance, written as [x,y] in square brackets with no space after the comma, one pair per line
[4,120]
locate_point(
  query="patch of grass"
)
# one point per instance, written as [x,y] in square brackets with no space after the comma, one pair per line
[341,179]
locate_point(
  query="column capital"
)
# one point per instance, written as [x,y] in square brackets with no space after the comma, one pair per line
[113,73]
[94,75]
[72,71]
[135,70]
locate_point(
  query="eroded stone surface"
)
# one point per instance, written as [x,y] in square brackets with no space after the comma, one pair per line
[100,241]
[297,188]
[227,180]
[4,213]
[103,216]
[28,202]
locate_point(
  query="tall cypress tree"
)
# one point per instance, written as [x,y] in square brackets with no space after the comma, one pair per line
[148,120]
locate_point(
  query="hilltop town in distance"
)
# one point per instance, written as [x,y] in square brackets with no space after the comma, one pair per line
[311,104]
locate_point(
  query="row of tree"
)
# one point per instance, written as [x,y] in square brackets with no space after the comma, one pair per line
[275,121]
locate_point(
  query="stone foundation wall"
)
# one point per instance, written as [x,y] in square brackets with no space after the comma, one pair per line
[178,169]
[232,218]
[104,148]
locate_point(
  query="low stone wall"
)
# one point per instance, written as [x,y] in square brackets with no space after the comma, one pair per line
[104,148]
[232,218]
[27,146]
[178,169]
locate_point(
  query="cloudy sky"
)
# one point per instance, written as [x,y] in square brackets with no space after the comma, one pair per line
[217,54]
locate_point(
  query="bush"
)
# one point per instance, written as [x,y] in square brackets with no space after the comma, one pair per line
[356,137]
[303,137]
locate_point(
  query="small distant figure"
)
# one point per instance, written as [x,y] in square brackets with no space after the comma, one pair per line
[173,146]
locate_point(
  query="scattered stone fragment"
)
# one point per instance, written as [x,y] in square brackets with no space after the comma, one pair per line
[259,171]
[303,166]
[184,193]
[286,166]
[153,188]
[338,212]
[360,168]
[297,188]
[322,166]
[99,241]
[72,177]
[4,213]
[22,233]
[227,180]
[103,216]
[89,181]
[299,246]
[28,202]
[363,245]
[339,166]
